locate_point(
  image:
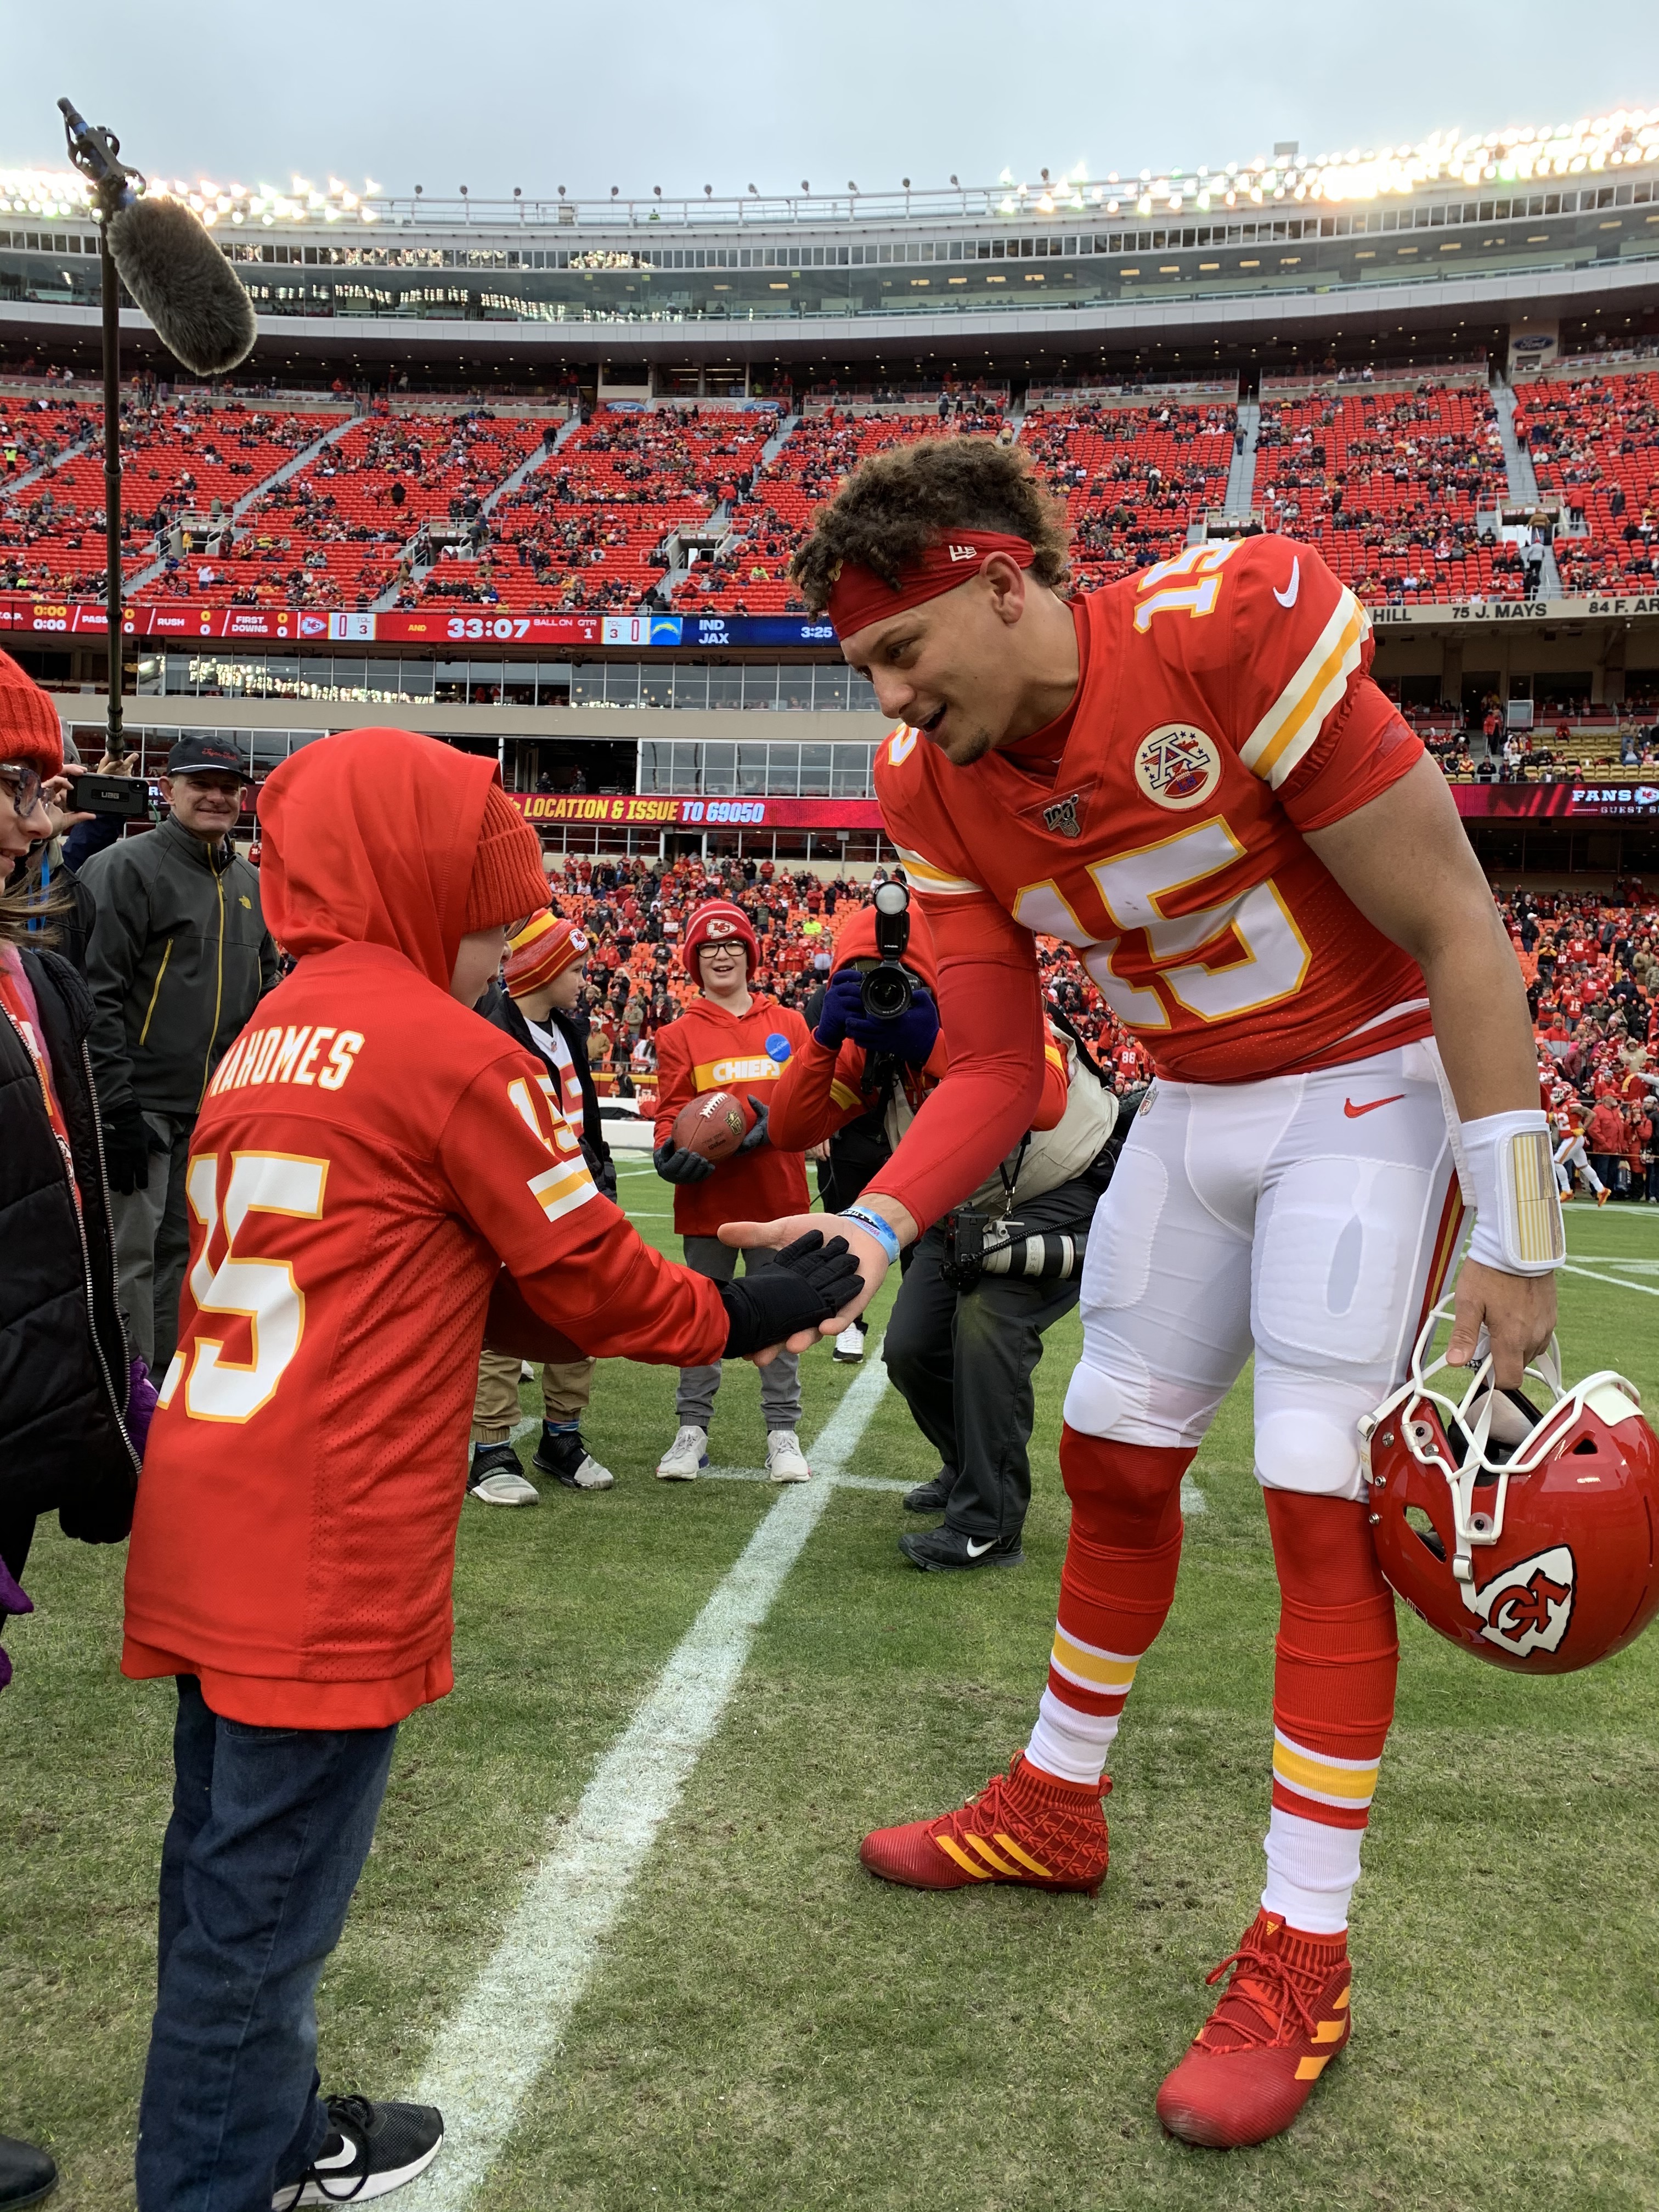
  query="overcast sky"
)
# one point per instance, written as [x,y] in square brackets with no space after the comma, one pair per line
[735,92]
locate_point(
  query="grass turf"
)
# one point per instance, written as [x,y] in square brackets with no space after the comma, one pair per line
[770,2027]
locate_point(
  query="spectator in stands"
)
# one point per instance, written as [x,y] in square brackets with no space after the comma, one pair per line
[535,1003]
[731,1038]
[179,958]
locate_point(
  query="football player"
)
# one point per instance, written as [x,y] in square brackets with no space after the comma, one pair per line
[1190,777]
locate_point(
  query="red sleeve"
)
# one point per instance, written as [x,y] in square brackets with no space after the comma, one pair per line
[1057,1083]
[516,1166]
[991,1007]
[675,1079]
[816,1094]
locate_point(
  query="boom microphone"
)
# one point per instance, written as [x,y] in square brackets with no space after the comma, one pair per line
[166,259]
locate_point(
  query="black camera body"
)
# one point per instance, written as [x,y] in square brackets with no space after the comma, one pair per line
[971,1254]
[889,987]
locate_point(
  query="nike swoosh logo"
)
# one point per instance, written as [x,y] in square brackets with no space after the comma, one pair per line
[978,1551]
[1288,599]
[1354,1112]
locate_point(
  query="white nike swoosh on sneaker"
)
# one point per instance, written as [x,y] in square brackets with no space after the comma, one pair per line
[978,1551]
[1288,599]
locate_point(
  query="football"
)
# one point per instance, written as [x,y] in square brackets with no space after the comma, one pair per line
[713,1125]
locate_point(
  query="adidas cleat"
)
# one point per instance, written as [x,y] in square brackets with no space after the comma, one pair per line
[1023,1826]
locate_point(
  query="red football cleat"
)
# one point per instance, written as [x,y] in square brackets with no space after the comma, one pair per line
[1022,1826]
[1253,2064]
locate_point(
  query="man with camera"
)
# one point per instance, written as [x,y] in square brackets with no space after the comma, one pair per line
[178,959]
[984,1284]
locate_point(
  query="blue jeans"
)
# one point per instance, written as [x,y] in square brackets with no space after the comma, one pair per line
[269,1830]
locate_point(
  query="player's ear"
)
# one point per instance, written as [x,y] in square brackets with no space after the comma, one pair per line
[1006,581]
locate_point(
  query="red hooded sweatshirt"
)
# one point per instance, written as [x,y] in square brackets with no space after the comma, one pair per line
[709,1050]
[369,1155]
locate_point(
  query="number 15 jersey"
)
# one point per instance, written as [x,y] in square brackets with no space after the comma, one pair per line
[1224,708]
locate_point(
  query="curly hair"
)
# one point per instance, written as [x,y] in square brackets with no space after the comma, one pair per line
[898,502]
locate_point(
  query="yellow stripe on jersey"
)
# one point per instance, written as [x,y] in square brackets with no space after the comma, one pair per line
[1090,1666]
[935,881]
[560,1190]
[1350,1782]
[843,1095]
[1284,735]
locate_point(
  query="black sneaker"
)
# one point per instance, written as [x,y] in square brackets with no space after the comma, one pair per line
[371,2150]
[496,1478]
[932,1548]
[27,2173]
[562,1455]
[932,1496]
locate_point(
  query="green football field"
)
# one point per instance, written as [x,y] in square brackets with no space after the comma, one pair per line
[760,2023]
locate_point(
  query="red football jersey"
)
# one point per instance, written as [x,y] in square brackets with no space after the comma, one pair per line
[1225,709]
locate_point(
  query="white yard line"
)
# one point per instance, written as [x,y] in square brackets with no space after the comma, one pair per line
[1618,1282]
[492,2052]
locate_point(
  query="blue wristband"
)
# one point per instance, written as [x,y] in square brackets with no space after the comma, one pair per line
[884,1232]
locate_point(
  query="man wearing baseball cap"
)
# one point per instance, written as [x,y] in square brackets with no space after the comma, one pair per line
[178,958]
[543,980]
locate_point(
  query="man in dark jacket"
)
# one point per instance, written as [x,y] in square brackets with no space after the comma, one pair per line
[179,958]
[543,981]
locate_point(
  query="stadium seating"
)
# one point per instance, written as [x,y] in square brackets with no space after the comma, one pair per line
[1388,485]
[1595,447]
[586,529]
[1133,479]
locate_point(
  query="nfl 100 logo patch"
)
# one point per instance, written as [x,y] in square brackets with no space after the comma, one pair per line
[1178,765]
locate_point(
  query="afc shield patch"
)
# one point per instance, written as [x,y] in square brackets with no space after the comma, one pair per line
[1529,1606]
[1178,765]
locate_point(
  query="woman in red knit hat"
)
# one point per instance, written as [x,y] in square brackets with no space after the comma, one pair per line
[730,1038]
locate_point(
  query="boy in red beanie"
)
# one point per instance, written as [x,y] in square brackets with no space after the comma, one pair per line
[728,1039]
[369,1156]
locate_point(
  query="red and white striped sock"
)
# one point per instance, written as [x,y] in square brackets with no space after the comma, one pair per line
[1336,1658]
[1115,1591]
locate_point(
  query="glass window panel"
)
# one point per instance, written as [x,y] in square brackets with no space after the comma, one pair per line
[720,768]
[655,773]
[830,688]
[415,679]
[269,746]
[657,685]
[751,771]
[180,676]
[795,689]
[726,687]
[486,681]
[691,687]
[760,687]
[783,770]
[622,683]
[861,695]
[587,685]
[852,771]
[152,674]
[351,680]
[283,676]
[449,684]
[815,771]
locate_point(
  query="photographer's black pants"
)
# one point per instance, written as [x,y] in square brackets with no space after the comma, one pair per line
[963,1362]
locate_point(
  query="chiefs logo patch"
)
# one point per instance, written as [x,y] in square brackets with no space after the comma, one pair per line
[1529,1606]
[1178,765]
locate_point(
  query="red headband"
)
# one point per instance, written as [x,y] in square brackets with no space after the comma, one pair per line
[860,597]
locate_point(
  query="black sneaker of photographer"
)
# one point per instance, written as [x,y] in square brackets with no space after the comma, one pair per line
[27,2173]
[932,1496]
[371,2150]
[562,1455]
[930,1549]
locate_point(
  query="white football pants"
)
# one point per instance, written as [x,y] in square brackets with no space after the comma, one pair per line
[1311,1218]
[1571,1154]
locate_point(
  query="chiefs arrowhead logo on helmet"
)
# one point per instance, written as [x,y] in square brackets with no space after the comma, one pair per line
[1528,1539]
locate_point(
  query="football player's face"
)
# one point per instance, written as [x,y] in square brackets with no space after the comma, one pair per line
[944,667]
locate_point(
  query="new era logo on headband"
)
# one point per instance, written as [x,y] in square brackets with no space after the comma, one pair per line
[964,552]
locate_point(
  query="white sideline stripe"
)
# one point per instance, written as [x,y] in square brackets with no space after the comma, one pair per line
[1618,1282]
[1192,1498]
[491,2053]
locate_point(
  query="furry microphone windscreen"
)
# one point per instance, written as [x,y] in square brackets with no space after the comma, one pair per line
[167,260]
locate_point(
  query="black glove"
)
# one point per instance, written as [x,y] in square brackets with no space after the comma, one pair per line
[601,1167]
[811,1281]
[675,1165]
[129,1141]
[757,1135]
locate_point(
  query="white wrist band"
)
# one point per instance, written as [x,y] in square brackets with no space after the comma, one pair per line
[1508,1177]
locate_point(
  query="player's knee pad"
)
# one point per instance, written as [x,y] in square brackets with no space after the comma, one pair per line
[1313,1448]
[1124,1402]
[1124,1496]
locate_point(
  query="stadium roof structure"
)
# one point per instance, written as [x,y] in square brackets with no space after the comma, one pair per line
[1462,233]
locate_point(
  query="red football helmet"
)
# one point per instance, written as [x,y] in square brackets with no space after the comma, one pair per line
[1528,1539]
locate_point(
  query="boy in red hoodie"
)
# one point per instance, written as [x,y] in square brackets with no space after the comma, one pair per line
[728,1039]
[370,1155]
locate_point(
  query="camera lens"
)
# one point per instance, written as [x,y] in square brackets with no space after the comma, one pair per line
[887,991]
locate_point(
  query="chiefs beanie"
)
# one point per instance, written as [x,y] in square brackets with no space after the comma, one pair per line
[720,919]
[508,879]
[542,949]
[29,728]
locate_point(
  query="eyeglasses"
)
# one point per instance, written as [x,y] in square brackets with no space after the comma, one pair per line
[23,785]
